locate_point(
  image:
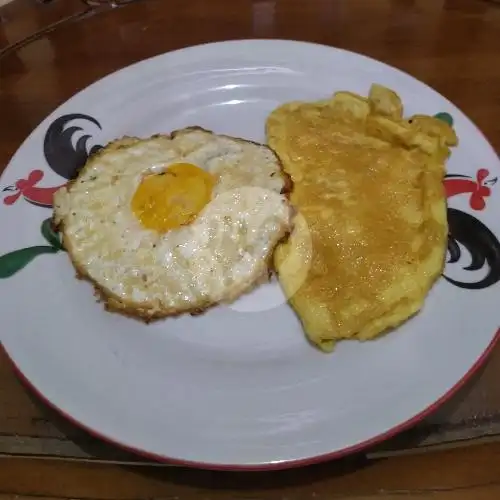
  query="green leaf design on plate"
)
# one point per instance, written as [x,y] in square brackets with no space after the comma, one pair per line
[445,117]
[50,235]
[12,262]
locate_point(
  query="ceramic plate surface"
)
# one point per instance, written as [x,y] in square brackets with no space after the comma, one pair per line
[238,387]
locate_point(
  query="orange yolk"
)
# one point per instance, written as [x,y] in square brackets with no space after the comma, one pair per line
[172,198]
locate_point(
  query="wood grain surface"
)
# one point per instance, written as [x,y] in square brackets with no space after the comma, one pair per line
[50,51]
[472,473]
[20,19]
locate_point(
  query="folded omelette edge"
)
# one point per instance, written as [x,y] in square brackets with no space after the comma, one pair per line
[371,231]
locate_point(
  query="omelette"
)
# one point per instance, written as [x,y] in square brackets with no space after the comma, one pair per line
[369,185]
[174,223]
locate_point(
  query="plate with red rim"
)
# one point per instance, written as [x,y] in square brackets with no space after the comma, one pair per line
[238,387]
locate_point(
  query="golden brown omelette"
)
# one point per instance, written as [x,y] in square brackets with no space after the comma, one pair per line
[369,185]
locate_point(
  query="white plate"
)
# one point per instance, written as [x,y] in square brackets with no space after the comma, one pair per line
[238,387]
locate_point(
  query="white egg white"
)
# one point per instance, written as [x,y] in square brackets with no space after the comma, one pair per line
[224,252]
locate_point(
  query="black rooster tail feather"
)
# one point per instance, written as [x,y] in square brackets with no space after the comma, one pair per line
[480,242]
[453,250]
[64,158]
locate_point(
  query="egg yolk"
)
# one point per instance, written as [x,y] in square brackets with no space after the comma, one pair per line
[173,198]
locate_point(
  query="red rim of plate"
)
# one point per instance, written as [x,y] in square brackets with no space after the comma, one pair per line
[286,464]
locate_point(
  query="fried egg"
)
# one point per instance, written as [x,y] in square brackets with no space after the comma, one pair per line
[174,223]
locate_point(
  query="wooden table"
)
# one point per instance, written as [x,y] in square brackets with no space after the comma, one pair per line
[49,51]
